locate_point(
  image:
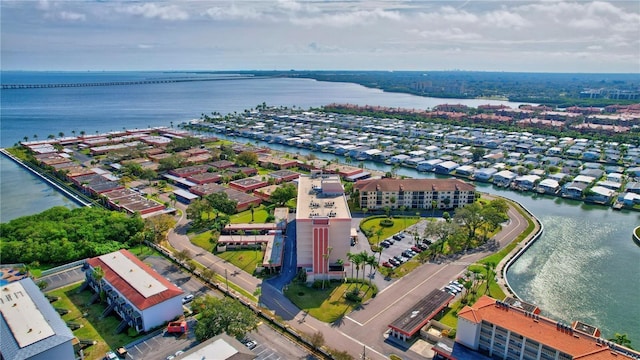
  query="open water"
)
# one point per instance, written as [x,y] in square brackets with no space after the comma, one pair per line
[585,266]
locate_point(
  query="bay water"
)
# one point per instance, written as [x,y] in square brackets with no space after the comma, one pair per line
[584,267]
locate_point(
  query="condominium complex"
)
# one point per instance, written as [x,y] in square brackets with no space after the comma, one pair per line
[323,226]
[505,330]
[415,193]
[139,295]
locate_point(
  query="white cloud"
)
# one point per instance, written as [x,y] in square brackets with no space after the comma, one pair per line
[153,10]
[72,16]
[594,47]
[446,35]
[347,18]
[506,20]
[233,13]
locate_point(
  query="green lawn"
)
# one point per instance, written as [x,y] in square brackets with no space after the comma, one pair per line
[202,240]
[259,216]
[399,224]
[93,328]
[247,260]
[326,305]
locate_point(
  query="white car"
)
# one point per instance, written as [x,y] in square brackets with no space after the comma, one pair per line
[111,356]
[187,299]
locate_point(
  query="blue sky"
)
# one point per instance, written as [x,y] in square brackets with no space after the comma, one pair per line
[539,36]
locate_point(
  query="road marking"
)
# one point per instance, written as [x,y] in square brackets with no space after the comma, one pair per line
[363,344]
[353,320]
[405,295]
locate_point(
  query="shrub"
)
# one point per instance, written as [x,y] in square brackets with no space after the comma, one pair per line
[317,284]
[354,296]
[386,223]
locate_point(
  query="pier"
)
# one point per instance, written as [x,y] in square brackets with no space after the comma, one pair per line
[80,199]
[119,83]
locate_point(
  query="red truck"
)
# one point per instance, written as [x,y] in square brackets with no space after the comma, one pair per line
[177,327]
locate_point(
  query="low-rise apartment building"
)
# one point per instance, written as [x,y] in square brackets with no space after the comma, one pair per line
[415,193]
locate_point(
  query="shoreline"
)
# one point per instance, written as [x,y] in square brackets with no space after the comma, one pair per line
[71,196]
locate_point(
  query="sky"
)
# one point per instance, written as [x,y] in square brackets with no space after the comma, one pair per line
[512,36]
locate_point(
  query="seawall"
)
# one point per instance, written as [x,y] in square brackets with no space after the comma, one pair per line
[636,239]
[520,249]
[72,196]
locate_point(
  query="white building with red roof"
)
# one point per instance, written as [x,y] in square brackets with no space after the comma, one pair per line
[504,330]
[138,294]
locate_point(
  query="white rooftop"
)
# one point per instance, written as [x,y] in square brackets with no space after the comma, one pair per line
[218,349]
[138,278]
[21,314]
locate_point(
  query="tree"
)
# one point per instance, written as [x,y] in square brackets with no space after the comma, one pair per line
[183,255]
[379,233]
[284,193]
[220,201]
[621,339]
[158,226]
[247,158]
[317,339]
[470,217]
[170,163]
[372,262]
[222,315]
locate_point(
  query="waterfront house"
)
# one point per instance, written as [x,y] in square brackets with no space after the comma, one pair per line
[504,178]
[526,182]
[629,199]
[574,189]
[465,171]
[445,167]
[613,185]
[633,187]
[600,195]
[399,159]
[548,186]
[633,172]
[484,174]
[428,165]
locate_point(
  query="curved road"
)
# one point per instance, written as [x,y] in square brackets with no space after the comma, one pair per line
[364,328]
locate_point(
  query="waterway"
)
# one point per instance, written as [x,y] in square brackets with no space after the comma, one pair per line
[584,267]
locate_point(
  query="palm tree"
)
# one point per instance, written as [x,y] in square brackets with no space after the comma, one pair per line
[433,208]
[351,257]
[372,262]
[358,260]
[326,256]
[621,339]
[341,263]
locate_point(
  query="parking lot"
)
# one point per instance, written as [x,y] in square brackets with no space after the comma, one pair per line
[270,344]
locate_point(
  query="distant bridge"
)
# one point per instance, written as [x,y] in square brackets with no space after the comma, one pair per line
[119,83]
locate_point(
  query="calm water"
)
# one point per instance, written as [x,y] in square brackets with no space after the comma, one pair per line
[22,193]
[585,266]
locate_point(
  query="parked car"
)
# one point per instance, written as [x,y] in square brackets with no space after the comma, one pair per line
[251,344]
[390,241]
[385,244]
[353,242]
[388,265]
[416,249]
[451,288]
[422,246]
[187,299]
[396,237]
[401,235]
[400,259]
[111,356]
[428,242]
[394,262]
[456,287]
